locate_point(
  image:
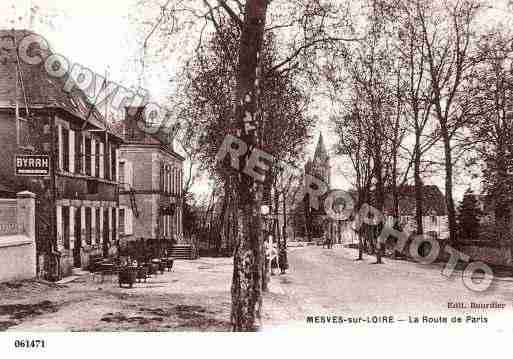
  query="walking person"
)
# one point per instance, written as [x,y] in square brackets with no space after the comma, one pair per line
[282,257]
[273,255]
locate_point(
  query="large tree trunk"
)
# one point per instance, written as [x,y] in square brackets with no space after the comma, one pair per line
[284,231]
[276,208]
[248,258]
[380,201]
[451,212]
[501,196]
[419,190]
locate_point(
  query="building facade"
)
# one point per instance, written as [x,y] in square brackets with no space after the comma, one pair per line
[151,175]
[318,225]
[77,200]
[434,220]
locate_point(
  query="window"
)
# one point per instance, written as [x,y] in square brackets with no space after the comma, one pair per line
[125,220]
[113,162]
[433,219]
[121,225]
[172,181]
[161,178]
[121,177]
[163,225]
[180,179]
[66,227]
[97,158]
[167,187]
[126,174]
[92,187]
[87,153]
[64,133]
[106,225]
[79,153]
[114,224]
[23,132]
[88,225]
[177,175]
[98,227]
[106,161]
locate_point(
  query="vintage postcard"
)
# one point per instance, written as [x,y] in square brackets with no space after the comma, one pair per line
[255,166]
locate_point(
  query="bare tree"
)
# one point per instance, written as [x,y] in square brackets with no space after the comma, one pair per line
[447,32]
[351,131]
[492,125]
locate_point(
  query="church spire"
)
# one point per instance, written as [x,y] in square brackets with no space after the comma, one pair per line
[321,155]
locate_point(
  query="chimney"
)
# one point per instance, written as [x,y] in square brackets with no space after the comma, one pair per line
[132,115]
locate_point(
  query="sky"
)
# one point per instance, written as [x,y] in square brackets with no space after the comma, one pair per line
[100,34]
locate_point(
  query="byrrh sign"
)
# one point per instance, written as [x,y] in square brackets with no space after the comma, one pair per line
[32,165]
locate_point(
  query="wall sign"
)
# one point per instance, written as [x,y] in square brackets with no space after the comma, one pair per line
[32,165]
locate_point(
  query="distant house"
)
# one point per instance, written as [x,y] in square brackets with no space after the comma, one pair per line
[151,177]
[487,207]
[434,219]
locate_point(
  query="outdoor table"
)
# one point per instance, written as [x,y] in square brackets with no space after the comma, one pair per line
[159,265]
[153,267]
[127,275]
[142,272]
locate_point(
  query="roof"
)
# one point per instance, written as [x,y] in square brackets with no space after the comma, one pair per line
[41,89]
[433,204]
[133,135]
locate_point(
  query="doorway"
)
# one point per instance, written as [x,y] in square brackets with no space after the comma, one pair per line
[77,248]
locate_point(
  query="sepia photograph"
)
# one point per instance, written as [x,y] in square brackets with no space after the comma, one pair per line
[262,166]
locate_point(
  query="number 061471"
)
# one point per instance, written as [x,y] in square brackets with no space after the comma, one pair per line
[29,344]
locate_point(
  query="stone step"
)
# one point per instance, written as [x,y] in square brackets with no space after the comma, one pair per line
[183,251]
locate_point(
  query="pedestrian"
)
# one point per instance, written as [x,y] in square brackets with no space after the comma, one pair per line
[273,256]
[282,257]
[268,245]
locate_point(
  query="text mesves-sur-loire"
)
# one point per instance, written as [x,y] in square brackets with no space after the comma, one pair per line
[390,319]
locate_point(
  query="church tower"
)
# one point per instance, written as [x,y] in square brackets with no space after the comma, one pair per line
[319,166]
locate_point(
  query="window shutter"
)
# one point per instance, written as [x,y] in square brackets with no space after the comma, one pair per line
[102,160]
[127,171]
[59,145]
[97,158]
[72,151]
[180,182]
[130,174]
[161,188]
[128,221]
[172,180]
[93,157]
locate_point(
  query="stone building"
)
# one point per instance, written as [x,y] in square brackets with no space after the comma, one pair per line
[319,166]
[434,220]
[76,201]
[151,175]
[320,226]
